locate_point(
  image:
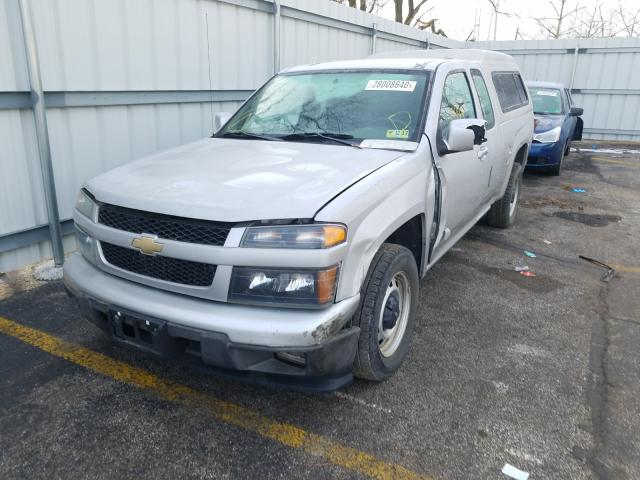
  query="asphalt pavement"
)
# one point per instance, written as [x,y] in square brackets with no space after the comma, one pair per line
[541,372]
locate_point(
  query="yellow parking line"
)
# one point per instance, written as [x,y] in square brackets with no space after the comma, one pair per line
[625,268]
[286,434]
[617,162]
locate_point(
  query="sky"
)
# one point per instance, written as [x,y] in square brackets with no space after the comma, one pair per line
[457,17]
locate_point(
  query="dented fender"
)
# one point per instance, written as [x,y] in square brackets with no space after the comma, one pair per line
[377,206]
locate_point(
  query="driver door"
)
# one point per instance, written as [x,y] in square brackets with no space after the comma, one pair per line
[463,174]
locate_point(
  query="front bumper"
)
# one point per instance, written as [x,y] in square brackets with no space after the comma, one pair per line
[235,337]
[545,154]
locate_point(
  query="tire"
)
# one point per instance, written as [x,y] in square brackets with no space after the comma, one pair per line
[382,350]
[556,169]
[567,148]
[503,212]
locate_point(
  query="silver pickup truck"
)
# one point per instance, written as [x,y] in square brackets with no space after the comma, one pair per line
[288,247]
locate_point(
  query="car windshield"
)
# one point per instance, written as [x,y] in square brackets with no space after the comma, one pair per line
[546,101]
[334,107]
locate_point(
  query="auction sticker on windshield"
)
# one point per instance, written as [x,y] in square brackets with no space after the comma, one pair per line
[548,93]
[392,85]
[401,134]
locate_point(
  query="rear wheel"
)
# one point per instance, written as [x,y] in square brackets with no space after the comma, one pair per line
[387,313]
[504,211]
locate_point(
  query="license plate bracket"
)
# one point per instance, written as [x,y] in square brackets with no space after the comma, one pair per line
[148,334]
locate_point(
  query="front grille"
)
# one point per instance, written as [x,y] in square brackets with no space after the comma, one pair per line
[170,227]
[162,268]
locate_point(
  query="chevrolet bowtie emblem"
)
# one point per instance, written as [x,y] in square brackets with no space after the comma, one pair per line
[147,244]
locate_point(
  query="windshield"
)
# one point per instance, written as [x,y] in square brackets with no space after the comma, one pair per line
[324,106]
[546,100]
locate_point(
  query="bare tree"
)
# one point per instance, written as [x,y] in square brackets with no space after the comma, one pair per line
[412,15]
[495,5]
[371,6]
[429,25]
[562,23]
[630,21]
[597,23]
[412,10]
[606,22]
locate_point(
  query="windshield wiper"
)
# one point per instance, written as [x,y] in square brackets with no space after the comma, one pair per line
[241,134]
[334,137]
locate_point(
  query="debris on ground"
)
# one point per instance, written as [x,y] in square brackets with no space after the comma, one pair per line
[530,254]
[521,269]
[513,472]
[547,242]
[527,273]
[608,275]
[573,188]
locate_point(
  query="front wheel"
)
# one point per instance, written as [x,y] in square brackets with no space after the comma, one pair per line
[503,212]
[386,316]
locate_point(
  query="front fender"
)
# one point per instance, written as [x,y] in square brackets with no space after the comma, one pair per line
[375,207]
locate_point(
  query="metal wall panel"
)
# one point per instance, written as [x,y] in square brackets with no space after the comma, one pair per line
[95,45]
[21,194]
[13,69]
[124,79]
[606,81]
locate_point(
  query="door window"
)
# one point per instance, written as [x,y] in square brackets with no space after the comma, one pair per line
[485,99]
[457,102]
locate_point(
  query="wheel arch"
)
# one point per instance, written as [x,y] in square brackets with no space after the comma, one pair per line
[521,155]
[411,235]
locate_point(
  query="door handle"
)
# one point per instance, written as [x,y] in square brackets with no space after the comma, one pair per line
[483,152]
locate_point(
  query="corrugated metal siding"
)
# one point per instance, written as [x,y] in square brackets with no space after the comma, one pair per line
[160,46]
[148,46]
[606,80]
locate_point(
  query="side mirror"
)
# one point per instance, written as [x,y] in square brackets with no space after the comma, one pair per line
[576,111]
[220,119]
[464,133]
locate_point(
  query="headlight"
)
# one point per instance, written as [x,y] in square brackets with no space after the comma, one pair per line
[85,204]
[550,136]
[292,287]
[295,236]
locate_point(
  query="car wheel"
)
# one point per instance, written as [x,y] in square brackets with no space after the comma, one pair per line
[386,316]
[504,211]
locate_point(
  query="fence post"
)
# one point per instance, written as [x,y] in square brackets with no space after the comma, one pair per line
[374,37]
[42,132]
[573,68]
[276,36]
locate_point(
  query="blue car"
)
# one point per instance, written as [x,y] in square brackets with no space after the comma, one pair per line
[557,123]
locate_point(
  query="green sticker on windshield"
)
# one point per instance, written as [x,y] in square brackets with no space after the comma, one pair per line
[398,134]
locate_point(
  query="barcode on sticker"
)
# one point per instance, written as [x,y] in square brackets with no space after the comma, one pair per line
[392,85]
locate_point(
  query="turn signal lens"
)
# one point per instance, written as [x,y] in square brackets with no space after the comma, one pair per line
[326,285]
[334,235]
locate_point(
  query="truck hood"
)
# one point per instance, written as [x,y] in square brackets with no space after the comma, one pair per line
[237,180]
